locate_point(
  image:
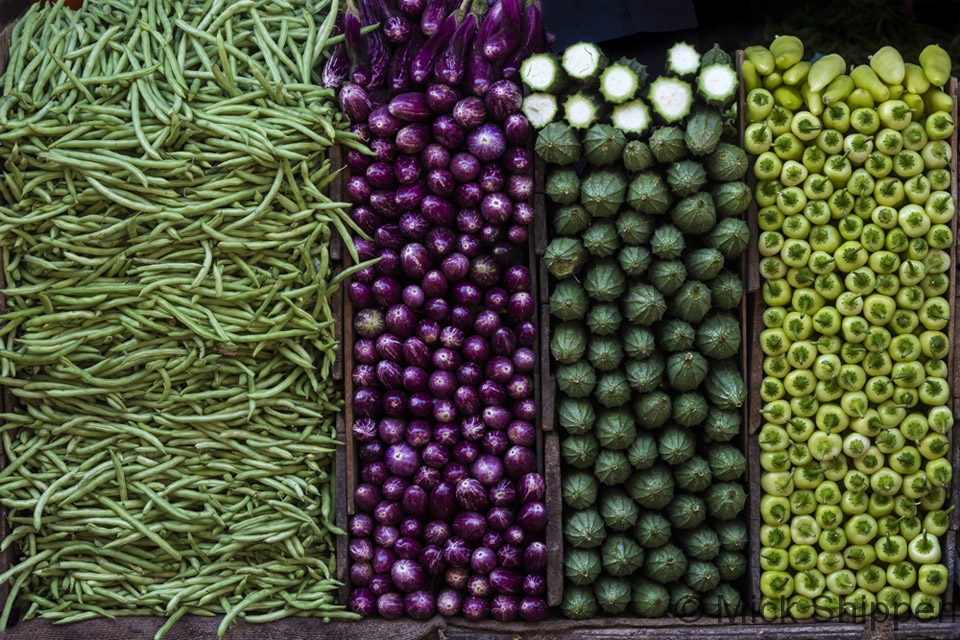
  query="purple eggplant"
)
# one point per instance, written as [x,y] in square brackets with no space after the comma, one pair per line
[450,65]
[470,112]
[336,68]
[410,106]
[504,608]
[531,39]
[409,196]
[441,182]
[413,138]
[384,125]
[419,605]
[534,608]
[362,601]
[502,43]
[413,225]
[442,98]
[432,16]
[398,74]
[360,67]
[421,68]
[503,99]
[517,129]
[438,210]
[411,8]
[431,559]
[447,132]
[395,23]
[480,72]
[436,532]
[355,102]
[487,142]
[435,156]
[449,602]
[375,42]
[476,608]
[535,557]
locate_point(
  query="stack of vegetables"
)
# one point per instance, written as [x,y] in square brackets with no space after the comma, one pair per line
[644,212]
[169,340]
[853,168]
[450,505]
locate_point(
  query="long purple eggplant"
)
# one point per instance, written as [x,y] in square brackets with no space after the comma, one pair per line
[531,40]
[375,42]
[503,42]
[422,66]
[335,70]
[450,67]
[489,23]
[398,76]
[434,13]
[481,73]
[359,70]
[396,25]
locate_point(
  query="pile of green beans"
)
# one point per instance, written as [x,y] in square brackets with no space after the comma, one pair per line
[168,337]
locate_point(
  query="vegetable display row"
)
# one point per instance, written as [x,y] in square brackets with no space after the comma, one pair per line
[645,333]
[168,337]
[856,205]
[449,506]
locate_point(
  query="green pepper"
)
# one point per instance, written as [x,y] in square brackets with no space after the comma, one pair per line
[891,548]
[809,583]
[926,605]
[937,522]
[804,530]
[842,581]
[901,574]
[860,602]
[932,579]
[802,557]
[924,549]
[858,556]
[776,584]
[773,559]
[939,472]
[861,528]
[828,516]
[774,509]
[833,540]
[895,600]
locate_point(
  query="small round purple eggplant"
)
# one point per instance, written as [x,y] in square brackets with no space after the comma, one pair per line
[413,138]
[503,99]
[365,218]
[362,601]
[408,197]
[464,167]
[413,296]
[510,555]
[448,133]
[382,123]
[470,112]
[385,149]
[449,603]
[516,127]
[492,178]
[487,142]
[455,267]
[468,195]
[440,182]
[435,156]
[436,532]
[358,190]
[367,497]
[434,283]
[472,429]
[440,241]
[495,442]
[495,299]
[435,455]
[410,106]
